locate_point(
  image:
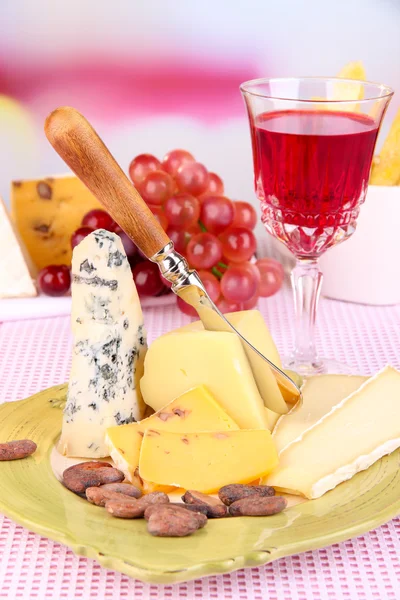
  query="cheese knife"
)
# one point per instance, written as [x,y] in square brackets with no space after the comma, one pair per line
[78,144]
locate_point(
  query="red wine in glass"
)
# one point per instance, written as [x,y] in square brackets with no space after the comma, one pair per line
[311,175]
[313,140]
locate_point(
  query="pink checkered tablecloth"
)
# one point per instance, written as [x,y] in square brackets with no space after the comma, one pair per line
[35,354]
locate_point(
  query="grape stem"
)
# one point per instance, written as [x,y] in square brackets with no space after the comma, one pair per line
[202,226]
[216,272]
[222,265]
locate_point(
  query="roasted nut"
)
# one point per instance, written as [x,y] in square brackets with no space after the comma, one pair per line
[123,488]
[215,508]
[122,508]
[99,496]
[199,509]
[169,521]
[90,474]
[258,506]
[236,491]
[17,449]
[133,509]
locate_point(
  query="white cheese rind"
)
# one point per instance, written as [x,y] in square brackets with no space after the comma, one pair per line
[357,432]
[16,270]
[109,346]
[320,394]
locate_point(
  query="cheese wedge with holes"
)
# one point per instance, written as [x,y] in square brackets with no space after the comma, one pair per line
[357,432]
[206,461]
[46,212]
[177,362]
[196,410]
[320,394]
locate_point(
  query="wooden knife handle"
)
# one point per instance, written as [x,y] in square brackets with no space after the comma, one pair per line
[75,140]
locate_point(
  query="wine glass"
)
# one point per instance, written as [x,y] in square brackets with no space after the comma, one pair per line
[313,141]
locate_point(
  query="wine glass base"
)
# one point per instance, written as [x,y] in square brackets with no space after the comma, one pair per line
[320,366]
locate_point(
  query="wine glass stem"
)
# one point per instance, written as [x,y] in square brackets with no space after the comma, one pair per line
[306,282]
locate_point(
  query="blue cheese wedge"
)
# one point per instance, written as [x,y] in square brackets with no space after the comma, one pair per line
[356,433]
[108,350]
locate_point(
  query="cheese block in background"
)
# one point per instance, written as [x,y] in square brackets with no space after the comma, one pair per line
[16,269]
[356,433]
[176,362]
[206,461]
[196,410]
[320,394]
[46,212]
[109,344]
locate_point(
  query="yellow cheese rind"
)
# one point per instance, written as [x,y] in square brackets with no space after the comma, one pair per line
[177,362]
[46,212]
[206,461]
[320,394]
[356,433]
[196,410]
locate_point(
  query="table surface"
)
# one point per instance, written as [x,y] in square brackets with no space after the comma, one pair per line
[35,354]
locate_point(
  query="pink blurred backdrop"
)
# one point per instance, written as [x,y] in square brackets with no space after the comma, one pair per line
[155,75]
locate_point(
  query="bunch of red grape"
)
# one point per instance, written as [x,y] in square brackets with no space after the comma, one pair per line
[214,233]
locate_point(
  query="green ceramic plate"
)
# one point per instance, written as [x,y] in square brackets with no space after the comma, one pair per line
[31,495]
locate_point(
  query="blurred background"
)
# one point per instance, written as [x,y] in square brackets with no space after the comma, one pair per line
[154,75]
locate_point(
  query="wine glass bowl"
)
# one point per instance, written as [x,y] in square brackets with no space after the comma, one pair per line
[313,140]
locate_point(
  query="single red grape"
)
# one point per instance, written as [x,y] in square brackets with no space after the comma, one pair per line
[216,213]
[141,166]
[238,244]
[252,303]
[98,219]
[215,185]
[227,307]
[147,278]
[203,251]
[244,215]
[211,283]
[238,284]
[186,308]
[272,276]
[193,178]
[157,187]
[194,229]
[79,235]
[54,280]
[179,237]
[128,244]
[159,215]
[182,210]
[175,159]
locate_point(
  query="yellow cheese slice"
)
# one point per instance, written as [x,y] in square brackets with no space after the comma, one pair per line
[196,410]
[206,461]
[46,212]
[251,324]
[175,363]
[356,433]
[320,394]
